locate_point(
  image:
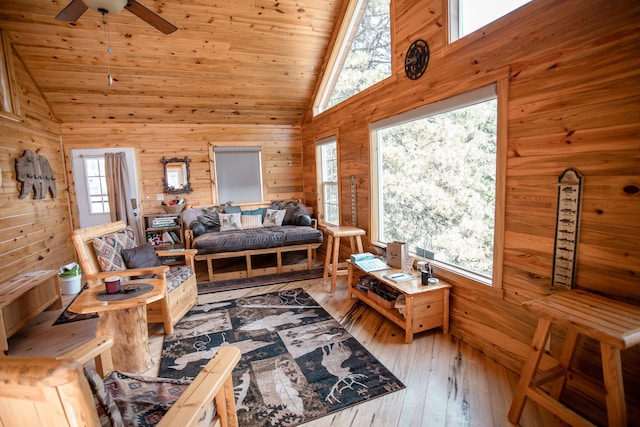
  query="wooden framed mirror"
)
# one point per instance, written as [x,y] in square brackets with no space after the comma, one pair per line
[176,178]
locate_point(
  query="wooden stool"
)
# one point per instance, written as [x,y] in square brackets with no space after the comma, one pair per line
[615,324]
[331,260]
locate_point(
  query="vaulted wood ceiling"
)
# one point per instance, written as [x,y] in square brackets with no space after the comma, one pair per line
[230,62]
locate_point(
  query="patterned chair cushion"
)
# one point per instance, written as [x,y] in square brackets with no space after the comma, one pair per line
[177,275]
[144,401]
[108,411]
[108,248]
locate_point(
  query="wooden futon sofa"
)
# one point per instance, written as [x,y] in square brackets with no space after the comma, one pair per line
[205,232]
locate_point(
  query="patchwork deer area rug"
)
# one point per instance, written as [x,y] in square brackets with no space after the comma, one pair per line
[298,363]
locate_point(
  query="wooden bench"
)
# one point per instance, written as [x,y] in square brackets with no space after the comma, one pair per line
[615,324]
[24,297]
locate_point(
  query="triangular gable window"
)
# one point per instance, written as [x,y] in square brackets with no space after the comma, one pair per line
[362,55]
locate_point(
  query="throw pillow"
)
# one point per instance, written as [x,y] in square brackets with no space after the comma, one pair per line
[230,222]
[198,228]
[141,257]
[258,211]
[251,221]
[190,215]
[109,247]
[210,219]
[232,209]
[274,218]
[303,220]
[289,218]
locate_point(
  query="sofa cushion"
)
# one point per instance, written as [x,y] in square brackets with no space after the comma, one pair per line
[177,275]
[274,218]
[108,248]
[144,401]
[230,222]
[260,238]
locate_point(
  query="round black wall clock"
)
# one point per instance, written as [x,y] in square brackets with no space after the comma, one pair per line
[417,59]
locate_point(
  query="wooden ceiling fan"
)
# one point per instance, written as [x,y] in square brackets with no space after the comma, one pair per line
[77,7]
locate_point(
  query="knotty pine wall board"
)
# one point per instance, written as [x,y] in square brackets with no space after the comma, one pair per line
[573,77]
[35,233]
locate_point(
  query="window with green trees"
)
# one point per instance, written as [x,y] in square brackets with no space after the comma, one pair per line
[436,180]
[362,55]
[328,181]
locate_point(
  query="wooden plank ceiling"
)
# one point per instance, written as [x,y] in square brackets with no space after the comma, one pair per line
[229,62]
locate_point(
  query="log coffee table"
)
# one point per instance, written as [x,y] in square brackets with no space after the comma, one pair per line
[125,320]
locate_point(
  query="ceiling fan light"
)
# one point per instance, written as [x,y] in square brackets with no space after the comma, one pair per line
[111,6]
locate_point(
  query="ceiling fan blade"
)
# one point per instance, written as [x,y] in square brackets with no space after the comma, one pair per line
[150,17]
[72,11]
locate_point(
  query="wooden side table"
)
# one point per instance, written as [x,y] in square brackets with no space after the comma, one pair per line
[125,320]
[332,264]
[426,307]
[615,324]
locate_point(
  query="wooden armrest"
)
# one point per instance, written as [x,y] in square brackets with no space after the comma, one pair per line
[213,382]
[188,237]
[159,270]
[99,349]
[188,254]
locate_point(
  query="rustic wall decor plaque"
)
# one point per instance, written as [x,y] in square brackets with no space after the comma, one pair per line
[567,227]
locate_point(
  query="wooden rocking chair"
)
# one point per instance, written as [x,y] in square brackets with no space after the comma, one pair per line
[55,392]
[177,300]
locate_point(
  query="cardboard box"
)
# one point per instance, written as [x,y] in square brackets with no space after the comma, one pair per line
[396,254]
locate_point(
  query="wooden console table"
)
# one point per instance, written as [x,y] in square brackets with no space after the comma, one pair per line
[615,324]
[24,297]
[126,321]
[427,307]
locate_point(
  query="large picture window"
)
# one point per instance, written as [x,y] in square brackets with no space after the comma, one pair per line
[465,17]
[361,55]
[328,181]
[436,180]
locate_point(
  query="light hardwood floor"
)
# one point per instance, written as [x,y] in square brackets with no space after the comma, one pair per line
[448,383]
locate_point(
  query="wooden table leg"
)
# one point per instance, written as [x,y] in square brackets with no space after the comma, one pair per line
[445,311]
[408,326]
[529,370]
[613,385]
[568,350]
[128,327]
[335,260]
[327,258]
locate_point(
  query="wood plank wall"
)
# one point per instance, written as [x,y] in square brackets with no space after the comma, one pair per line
[35,234]
[281,154]
[572,71]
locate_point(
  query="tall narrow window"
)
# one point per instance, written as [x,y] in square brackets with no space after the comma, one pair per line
[361,56]
[436,180]
[328,181]
[467,16]
[96,185]
[238,174]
